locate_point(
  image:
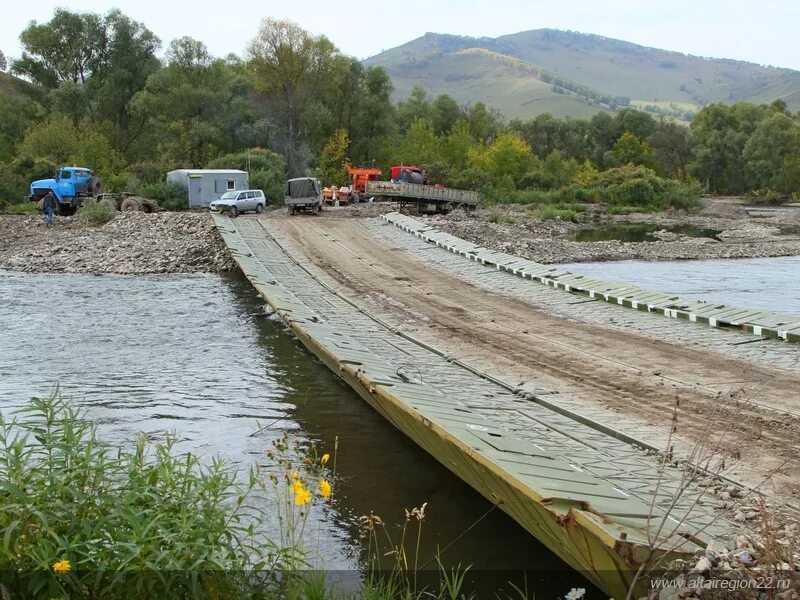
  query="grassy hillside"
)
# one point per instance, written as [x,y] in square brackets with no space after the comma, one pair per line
[473,74]
[515,73]
[18,89]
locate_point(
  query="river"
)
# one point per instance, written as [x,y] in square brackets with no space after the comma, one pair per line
[766,283]
[200,356]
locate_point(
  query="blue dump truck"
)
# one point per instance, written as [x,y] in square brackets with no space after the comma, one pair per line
[71,186]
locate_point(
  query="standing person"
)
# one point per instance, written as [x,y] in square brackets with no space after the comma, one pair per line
[334,194]
[49,207]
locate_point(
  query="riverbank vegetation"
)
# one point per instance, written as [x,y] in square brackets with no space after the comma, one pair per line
[104,96]
[83,518]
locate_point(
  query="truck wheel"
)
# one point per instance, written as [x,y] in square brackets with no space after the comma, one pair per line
[356,198]
[66,210]
[290,210]
[40,205]
[149,206]
[259,208]
[131,205]
[95,186]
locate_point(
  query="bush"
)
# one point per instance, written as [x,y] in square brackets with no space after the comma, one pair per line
[19,208]
[170,195]
[498,218]
[95,213]
[84,519]
[556,213]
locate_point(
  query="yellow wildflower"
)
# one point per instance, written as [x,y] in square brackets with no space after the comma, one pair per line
[325,458]
[295,475]
[302,496]
[61,566]
[325,489]
[297,486]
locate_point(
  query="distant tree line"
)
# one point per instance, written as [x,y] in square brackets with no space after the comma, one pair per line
[294,104]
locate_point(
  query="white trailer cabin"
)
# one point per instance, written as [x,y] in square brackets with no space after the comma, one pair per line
[207,185]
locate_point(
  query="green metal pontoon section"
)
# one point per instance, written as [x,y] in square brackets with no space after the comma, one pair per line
[581,489]
[758,322]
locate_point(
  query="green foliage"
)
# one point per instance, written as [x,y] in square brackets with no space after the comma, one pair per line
[144,522]
[552,212]
[112,106]
[333,162]
[61,141]
[18,208]
[170,195]
[67,48]
[95,213]
[508,156]
[629,149]
[267,170]
[500,218]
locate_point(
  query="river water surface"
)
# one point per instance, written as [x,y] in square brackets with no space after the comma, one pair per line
[200,356]
[766,283]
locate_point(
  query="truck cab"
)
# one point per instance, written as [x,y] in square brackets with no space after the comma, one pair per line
[70,185]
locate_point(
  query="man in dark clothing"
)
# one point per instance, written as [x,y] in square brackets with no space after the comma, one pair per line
[49,206]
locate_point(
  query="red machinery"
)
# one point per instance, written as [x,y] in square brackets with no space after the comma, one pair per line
[360,176]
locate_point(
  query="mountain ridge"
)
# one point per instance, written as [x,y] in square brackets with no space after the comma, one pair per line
[596,68]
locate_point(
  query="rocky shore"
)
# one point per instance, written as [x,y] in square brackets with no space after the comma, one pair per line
[516,230]
[133,243]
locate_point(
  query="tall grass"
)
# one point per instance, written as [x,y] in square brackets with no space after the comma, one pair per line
[19,208]
[83,518]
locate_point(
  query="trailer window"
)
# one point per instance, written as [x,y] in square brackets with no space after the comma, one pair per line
[231,183]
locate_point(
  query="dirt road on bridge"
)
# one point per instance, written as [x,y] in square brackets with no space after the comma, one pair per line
[721,408]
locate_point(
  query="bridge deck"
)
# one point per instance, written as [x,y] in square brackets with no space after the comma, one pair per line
[575,485]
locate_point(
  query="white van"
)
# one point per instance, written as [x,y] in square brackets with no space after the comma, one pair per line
[236,202]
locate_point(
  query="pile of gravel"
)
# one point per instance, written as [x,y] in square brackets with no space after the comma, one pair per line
[133,243]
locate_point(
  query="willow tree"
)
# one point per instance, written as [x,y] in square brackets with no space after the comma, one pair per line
[292,69]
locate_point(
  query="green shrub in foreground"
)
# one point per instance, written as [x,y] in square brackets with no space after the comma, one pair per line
[81,518]
[95,213]
[19,208]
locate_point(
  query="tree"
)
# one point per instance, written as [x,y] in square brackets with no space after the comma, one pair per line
[66,48]
[776,139]
[3,61]
[413,108]
[333,161]
[126,62]
[445,112]
[419,145]
[719,135]
[70,99]
[375,115]
[60,141]
[291,67]
[195,104]
[629,149]
[509,156]
[670,143]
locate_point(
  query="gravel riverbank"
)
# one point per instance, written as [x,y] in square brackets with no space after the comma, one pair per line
[515,229]
[133,243]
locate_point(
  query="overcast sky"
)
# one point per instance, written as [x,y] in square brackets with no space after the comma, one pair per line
[764,32]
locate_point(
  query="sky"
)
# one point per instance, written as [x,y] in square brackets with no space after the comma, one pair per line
[764,32]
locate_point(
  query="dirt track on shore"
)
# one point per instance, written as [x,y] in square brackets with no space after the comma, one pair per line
[633,380]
